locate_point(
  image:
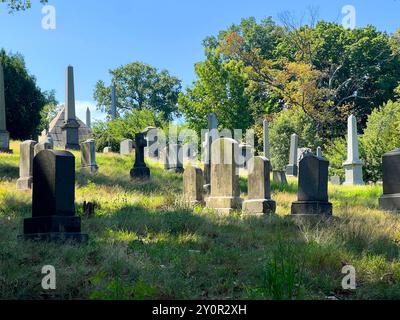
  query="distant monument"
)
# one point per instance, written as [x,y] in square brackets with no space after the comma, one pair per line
[292,168]
[88,118]
[4,134]
[113,102]
[353,165]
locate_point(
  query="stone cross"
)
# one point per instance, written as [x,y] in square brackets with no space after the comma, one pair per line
[126,147]
[26,165]
[53,199]
[88,118]
[259,188]
[266,139]
[353,165]
[193,185]
[390,199]
[88,156]
[292,168]
[113,102]
[71,126]
[313,187]
[4,134]
[140,169]
[225,191]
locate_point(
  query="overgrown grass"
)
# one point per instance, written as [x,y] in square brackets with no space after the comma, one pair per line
[145,243]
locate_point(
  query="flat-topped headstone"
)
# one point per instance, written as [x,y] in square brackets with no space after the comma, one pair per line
[88,156]
[279,177]
[26,165]
[259,200]
[353,165]
[4,134]
[175,158]
[292,168]
[225,190]
[390,199]
[193,185]
[126,147]
[313,187]
[140,169]
[53,199]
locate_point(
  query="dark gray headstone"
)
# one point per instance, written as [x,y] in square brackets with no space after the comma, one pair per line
[140,169]
[53,200]
[390,199]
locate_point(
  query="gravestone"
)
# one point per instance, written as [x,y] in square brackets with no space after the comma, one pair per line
[126,147]
[140,170]
[4,134]
[210,137]
[88,118]
[88,156]
[193,182]
[45,145]
[107,150]
[225,191]
[152,149]
[26,165]
[53,199]
[390,199]
[279,177]
[246,153]
[313,188]
[353,165]
[189,152]
[292,168]
[259,200]
[335,180]
[70,127]
[174,161]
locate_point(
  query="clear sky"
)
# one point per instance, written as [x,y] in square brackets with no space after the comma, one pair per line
[97,35]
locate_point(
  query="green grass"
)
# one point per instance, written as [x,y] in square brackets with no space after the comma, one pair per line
[145,243]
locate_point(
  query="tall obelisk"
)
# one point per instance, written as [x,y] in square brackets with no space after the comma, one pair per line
[113,102]
[353,165]
[71,126]
[88,118]
[4,134]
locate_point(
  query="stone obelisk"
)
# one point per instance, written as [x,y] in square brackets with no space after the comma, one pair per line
[292,168]
[210,137]
[353,165]
[113,102]
[88,118]
[71,126]
[4,134]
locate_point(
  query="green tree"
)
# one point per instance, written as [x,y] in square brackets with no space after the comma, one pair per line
[24,99]
[19,5]
[140,86]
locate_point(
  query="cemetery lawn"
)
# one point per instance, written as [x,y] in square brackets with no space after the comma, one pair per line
[145,243]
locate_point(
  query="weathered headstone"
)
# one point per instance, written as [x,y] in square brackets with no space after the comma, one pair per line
[26,165]
[335,180]
[259,200]
[53,200]
[313,187]
[88,118]
[174,161]
[193,182]
[152,149]
[279,177]
[353,165]
[266,139]
[88,156]
[126,147]
[225,191]
[292,168]
[113,102]
[140,169]
[107,150]
[189,152]
[4,134]
[70,128]
[45,145]
[390,199]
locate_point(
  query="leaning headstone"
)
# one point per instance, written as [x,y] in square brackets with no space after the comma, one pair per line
[193,182]
[4,134]
[225,190]
[140,169]
[353,165]
[45,145]
[390,199]
[70,128]
[88,156]
[174,161]
[53,200]
[335,180]
[25,165]
[313,188]
[107,150]
[292,168]
[279,177]
[126,147]
[259,200]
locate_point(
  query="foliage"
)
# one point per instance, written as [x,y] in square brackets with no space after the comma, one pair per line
[19,5]
[336,153]
[140,86]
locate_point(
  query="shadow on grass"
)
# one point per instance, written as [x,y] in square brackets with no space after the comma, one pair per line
[8,171]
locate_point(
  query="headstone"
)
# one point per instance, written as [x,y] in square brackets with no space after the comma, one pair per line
[390,199]
[259,200]
[193,182]
[266,139]
[301,153]
[25,165]
[189,152]
[45,145]
[126,147]
[319,152]
[210,137]
[70,128]
[4,134]
[88,156]
[107,150]
[140,170]
[152,149]
[353,165]
[53,200]
[246,152]
[313,188]
[113,102]
[88,118]
[174,161]
[292,168]
[335,180]
[225,190]
[279,177]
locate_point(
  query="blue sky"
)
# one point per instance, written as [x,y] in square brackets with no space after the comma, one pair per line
[95,36]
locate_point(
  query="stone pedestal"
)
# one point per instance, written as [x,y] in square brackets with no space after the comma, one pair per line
[25,180]
[390,199]
[71,135]
[193,185]
[88,156]
[292,168]
[354,173]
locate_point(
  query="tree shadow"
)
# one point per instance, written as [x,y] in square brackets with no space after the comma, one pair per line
[8,171]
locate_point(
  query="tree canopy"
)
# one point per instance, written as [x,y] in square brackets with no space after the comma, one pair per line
[19,5]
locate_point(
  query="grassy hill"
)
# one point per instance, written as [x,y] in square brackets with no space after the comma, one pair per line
[145,243]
